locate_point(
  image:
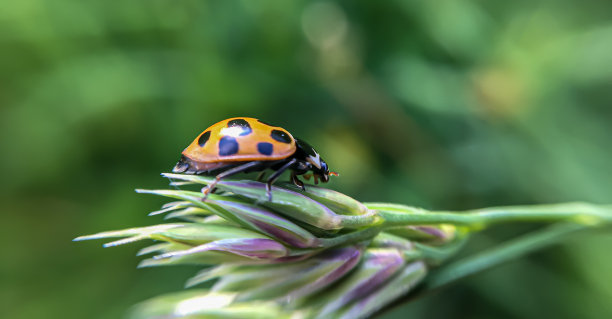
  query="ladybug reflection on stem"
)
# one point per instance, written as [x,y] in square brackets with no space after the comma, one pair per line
[243,145]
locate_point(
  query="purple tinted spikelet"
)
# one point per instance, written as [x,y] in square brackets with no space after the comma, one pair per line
[256,248]
[269,223]
[377,267]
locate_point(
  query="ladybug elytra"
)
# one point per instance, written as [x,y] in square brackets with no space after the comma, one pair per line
[243,145]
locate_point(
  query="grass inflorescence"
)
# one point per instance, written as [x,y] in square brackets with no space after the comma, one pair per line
[319,253]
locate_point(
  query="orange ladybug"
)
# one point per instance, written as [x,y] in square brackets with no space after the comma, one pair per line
[244,144]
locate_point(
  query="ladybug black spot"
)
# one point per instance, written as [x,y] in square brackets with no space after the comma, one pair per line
[244,125]
[203,138]
[265,148]
[228,146]
[280,136]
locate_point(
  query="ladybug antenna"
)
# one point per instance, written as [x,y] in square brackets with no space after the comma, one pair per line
[334,174]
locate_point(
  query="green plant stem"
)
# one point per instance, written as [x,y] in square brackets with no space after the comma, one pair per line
[581,213]
[500,254]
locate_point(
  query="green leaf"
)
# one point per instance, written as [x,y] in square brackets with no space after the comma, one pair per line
[501,253]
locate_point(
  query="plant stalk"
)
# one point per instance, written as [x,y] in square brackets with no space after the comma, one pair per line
[579,213]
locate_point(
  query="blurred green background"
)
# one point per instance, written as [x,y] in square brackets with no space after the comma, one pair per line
[441,104]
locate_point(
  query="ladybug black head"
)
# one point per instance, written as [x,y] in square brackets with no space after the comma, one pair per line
[313,161]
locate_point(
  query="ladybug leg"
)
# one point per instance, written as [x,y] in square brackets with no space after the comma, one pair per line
[297,181]
[275,176]
[238,169]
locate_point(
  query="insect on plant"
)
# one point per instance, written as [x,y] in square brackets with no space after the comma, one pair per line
[243,145]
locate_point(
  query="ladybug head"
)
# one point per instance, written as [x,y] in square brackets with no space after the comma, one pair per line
[315,163]
[322,171]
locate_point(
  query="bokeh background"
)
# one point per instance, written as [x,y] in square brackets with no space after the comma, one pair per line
[440,104]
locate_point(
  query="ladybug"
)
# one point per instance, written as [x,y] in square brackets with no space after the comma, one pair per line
[243,145]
